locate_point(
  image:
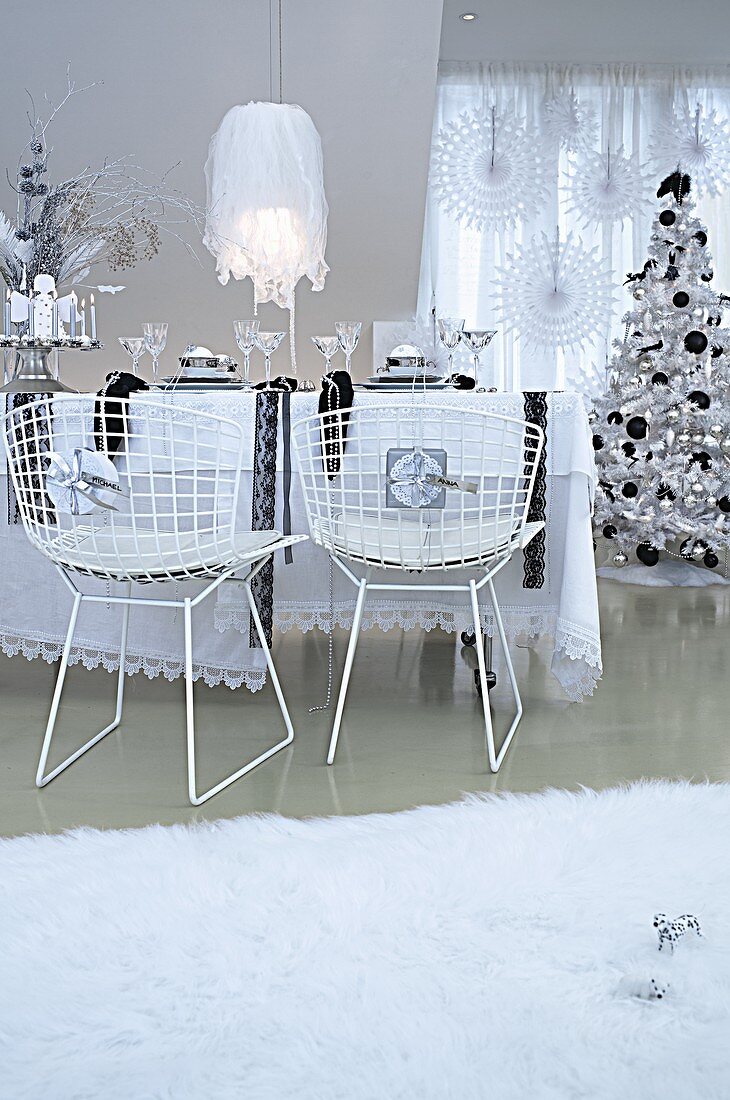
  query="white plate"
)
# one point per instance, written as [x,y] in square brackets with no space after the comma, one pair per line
[201,387]
[403,387]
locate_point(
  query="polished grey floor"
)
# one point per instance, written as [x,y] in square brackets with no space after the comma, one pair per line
[412,733]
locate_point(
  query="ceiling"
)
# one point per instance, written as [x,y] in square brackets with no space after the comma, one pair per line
[588,31]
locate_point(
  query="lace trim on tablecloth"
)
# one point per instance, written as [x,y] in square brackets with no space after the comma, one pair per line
[31,648]
[576,658]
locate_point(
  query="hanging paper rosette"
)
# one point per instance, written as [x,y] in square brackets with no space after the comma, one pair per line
[696,141]
[608,187]
[568,122]
[555,293]
[488,169]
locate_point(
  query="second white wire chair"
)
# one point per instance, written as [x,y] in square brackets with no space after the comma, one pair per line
[174,519]
[402,487]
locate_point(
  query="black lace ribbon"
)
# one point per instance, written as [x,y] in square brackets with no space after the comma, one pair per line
[17,401]
[263,506]
[535,412]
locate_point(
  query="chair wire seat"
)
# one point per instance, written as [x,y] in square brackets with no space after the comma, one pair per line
[403,487]
[173,518]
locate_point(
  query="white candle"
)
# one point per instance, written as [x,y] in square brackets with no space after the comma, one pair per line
[8,325]
[54,316]
[93,318]
[31,315]
[83,316]
[72,331]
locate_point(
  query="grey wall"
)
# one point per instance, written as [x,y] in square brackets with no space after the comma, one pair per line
[364,69]
[588,31]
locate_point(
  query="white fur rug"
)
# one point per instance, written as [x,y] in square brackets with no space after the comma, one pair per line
[473,952]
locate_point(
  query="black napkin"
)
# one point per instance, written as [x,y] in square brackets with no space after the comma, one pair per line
[282,384]
[461,381]
[109,427]
[337,393]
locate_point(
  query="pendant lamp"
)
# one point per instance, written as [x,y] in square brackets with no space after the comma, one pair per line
[266,213]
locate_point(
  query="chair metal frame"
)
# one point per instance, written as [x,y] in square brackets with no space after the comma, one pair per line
[29,431]
[331,441]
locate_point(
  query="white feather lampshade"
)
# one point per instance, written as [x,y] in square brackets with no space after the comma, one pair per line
[267,212]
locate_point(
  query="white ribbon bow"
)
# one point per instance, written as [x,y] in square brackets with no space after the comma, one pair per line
[71,477]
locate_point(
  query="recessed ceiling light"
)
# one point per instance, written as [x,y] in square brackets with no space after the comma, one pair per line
[469,16]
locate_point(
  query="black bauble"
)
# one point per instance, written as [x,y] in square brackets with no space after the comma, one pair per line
[667,217]
[695,341]
[700,399]
[609,531]
[701,236]
[597,442]
[717,351]
[685,550]
[630,490]
[681,299]
[647,554]
[702,459]
[724,504]
[629,449]
[637,427]
[615,418]
[711,560]
[660,378]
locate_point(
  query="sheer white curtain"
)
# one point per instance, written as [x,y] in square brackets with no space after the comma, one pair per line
[458,264]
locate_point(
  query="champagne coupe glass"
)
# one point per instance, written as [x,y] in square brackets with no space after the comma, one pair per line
[450,333]
[155,338]
[136,347]
[348,335]
[268,342]
[328,346]
[477,340]
[245,332]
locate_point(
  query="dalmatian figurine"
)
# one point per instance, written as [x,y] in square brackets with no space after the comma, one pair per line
[643,989]
[671,931]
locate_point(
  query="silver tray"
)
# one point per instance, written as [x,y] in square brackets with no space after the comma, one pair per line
[403,387]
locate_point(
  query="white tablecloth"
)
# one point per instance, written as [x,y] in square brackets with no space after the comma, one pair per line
[35,604]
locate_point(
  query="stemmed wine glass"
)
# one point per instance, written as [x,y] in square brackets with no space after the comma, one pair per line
[245,332]
[155,338]
[134,346]
[477,340]
[348,335]
[450,333]
[328,346]
[268,342]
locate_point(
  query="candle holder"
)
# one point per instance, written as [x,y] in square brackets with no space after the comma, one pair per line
[37,368]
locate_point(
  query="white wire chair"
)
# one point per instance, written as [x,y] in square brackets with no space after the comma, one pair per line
[179,472]
[408,487]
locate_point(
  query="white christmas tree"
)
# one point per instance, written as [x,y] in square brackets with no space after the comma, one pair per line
[662,429]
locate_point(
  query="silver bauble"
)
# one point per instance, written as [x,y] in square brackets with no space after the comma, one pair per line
[683,438]
[725,445]
[698,311]
[646,363]
[666,505]
[620,559]
[690,500]
[696,486]
[673,415]
[698,437]
[712,501]
[636,381]
[639,293]
[716,430]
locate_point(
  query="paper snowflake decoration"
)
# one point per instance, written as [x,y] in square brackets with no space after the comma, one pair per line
[489,170]
[696,142]
[555,294]
[566,121]
[607,187]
